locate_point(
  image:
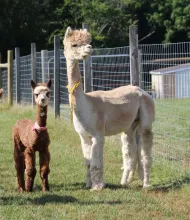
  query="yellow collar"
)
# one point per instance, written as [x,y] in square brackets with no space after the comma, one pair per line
[71,91]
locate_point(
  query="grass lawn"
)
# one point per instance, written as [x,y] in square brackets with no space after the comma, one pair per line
[172,133]
[168,198]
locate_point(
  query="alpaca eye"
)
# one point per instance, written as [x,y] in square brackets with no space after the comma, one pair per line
[47,94]
[36,95]
[74,45]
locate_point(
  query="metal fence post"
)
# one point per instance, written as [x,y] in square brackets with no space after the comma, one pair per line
[10,77]
[44,57]
[86,71]
[33,66]
[134,58]
[17,62]
[56,76]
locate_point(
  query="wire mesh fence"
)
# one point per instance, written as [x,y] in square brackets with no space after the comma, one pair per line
[25,77]
[4,82]
[164,73]
[110,68]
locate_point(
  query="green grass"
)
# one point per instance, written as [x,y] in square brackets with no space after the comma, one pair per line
[172,133]
[168,198]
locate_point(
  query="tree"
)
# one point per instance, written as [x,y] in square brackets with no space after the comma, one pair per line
[172,17]
[21,22]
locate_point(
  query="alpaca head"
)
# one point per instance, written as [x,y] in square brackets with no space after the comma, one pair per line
[41,92]
[77,44]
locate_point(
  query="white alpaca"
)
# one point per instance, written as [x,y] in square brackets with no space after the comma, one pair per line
[104,113]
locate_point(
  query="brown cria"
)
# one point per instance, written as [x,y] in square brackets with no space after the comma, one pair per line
[30,136]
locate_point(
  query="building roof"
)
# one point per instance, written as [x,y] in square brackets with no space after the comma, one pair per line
[171,69]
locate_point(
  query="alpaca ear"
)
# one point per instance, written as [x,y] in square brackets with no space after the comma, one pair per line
[33,84]
[68,32]
[49,83]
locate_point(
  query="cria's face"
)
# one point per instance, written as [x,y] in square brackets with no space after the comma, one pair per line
[41,94]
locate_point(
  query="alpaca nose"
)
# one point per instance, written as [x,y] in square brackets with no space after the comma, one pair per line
[89,46]
[42,100]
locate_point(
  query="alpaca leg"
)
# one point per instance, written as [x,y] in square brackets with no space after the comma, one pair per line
[86,143]
[20,167]
[129,152]
[96,163]
[146,154]
[140,166]
[44,168]
[30,168]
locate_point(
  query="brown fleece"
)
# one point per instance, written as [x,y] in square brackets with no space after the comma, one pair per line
[26,142]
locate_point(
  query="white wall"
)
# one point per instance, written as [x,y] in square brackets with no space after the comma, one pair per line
[183,84]
[157,86]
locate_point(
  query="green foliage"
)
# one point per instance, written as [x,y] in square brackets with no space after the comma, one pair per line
[20,23]
[173,17]
[23,22]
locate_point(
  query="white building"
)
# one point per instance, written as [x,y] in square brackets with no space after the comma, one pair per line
[171,82]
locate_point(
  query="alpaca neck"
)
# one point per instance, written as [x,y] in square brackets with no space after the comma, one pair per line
[73,72]
[74,77]
[41,116]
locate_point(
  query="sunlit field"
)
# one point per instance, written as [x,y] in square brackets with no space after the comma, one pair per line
[167,198]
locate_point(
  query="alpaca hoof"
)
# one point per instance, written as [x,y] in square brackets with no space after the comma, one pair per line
[146,186]
[88,185]
[123,182]
[28,190]
[21,190]
[97,187]
[45,188]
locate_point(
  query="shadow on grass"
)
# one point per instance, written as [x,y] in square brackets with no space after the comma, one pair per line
[115,187]
[48,199]
[68,187]
[176,184]
[54,199]
[81,186]
[42,200]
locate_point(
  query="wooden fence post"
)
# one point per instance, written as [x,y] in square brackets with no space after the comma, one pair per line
[56,76]
[87,70]
[134,64]
[33,66]
[10,77]
[17,63]
[134,58]
[44,57]
[141,78]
